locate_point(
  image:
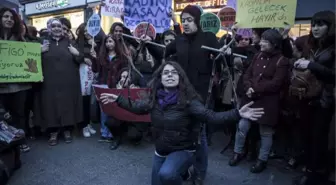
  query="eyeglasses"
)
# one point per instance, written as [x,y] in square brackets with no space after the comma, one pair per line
[56,25]
[166,72]
[188,19]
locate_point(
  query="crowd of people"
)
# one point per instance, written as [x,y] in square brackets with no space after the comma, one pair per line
[284,92]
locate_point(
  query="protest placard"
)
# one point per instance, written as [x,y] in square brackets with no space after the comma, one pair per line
[113,8]
[265,13]
[20,62]
[245,32]
[227,16]
[141,28]
[210,22]
[155,12]
[112,109]
[93,25]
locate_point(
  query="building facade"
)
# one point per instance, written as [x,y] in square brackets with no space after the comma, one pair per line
[305,9]
[78,11]
[39,12]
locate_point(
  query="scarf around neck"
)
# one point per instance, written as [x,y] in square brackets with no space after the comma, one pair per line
[166,98]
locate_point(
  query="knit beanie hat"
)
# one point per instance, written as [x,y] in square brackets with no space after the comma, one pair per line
[195,12]
[274,37]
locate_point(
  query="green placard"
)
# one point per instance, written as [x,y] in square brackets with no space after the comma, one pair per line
[20,62]
[210,22]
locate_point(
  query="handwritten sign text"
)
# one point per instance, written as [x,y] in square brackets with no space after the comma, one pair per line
[20,62]
[265,13]
[155,12]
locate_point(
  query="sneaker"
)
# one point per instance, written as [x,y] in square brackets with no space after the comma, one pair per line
[86,132]
[24,148]
[91,129]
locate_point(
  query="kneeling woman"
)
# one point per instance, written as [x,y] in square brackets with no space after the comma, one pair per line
[174,106]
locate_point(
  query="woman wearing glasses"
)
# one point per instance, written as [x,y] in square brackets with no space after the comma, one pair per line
[174,106]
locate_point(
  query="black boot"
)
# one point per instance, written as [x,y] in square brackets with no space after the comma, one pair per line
[292,164]
[67,136]
[115,143]
[236,158]
[259,166]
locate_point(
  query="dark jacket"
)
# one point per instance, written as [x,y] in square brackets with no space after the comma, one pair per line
[266,75]
[58,101]
[175,128]
[323,67]
[194,60]
[108,70]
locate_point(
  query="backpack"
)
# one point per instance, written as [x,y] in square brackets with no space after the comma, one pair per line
[303,83]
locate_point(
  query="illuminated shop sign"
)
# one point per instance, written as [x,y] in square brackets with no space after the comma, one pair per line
[52,4]
[181,4]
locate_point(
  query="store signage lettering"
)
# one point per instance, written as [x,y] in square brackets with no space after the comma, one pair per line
[181,4]
[52,4]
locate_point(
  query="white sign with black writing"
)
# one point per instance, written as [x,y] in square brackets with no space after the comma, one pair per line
[93,25]
[155,12]
[113,8]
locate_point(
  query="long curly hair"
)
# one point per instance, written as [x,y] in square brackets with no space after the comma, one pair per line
[16,29]
[327,18]
[186,91]
[120,50]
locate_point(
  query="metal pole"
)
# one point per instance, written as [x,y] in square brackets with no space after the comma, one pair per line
[149,42]
[227,68]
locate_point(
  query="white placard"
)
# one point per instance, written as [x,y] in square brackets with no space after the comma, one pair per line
[113,8]
[93,25]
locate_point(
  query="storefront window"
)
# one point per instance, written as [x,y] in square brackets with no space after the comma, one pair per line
[301,28]
[75,18]
[107,21]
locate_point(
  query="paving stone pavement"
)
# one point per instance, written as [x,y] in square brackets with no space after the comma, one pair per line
[87,162]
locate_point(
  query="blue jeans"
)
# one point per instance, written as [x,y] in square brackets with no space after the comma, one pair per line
[201,163]
[266,135]
[168,170]
[104,131]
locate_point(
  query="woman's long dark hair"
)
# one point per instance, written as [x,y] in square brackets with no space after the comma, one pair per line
[80,41]
[119,49]
[327,18]
[17,29]
[186,91]
[27,34]
[114,25]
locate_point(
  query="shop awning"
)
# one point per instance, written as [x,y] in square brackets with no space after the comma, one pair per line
[10,4]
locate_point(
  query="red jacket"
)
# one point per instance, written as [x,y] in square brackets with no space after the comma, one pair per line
[266,75]
[109,70]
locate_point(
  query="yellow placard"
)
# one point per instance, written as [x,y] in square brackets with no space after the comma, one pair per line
[20,62]
[265,13]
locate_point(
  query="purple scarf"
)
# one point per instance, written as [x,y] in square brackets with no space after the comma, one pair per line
[166,98]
